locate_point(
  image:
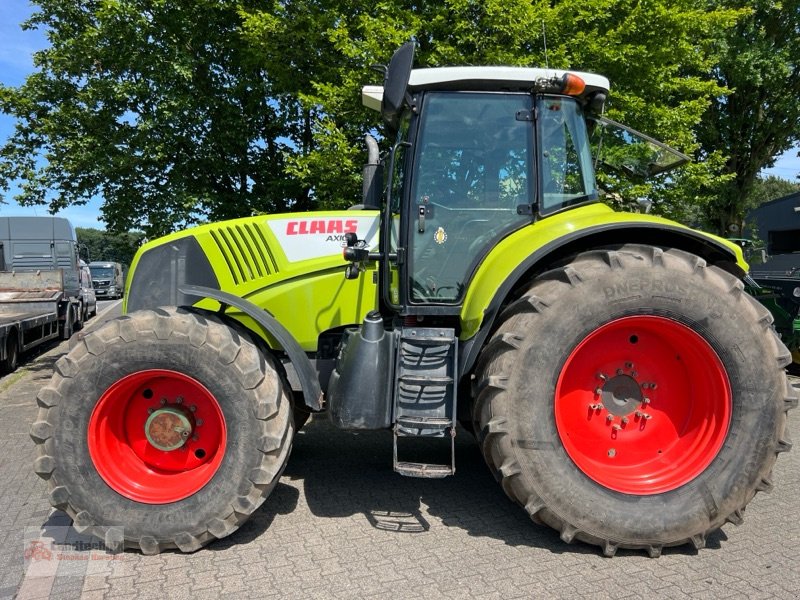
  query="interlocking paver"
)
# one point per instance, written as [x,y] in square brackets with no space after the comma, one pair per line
[340,524]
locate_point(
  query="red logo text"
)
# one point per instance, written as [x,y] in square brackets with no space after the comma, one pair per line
[321,226]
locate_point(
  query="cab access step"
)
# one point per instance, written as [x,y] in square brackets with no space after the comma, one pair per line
[425,395]
[403,379]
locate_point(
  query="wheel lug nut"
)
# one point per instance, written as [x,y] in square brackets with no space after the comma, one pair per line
[179,400]
[192,408]
[602,376]
[624,420]
[611,452]
[199,422]
[598,391]
[645,400]
[616,427]
[163,401]
[620,371]
[634,374]
[195,438]
[645,385]
[150,411]
[610,418]
[595,406]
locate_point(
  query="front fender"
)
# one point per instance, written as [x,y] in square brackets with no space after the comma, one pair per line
[312,393]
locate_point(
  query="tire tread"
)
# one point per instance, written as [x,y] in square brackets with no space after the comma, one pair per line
[499,356]
[273,412]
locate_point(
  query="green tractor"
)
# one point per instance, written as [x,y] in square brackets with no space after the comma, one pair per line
[623,387]
[775,282]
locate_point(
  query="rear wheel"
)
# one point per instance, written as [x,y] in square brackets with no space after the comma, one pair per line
[166,423]
[634,398]
[67,326]
[12,353]
[80,317]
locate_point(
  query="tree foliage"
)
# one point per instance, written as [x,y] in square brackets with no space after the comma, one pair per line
[178,112]
[159,107]
[760,118]
[659,87]
[112,247]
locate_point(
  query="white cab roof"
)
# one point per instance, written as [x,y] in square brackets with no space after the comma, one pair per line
[481,78]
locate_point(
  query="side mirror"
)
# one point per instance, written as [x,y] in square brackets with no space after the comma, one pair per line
[395,84]
[373,176]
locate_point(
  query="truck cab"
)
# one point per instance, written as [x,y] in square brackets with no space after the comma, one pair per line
[108,279]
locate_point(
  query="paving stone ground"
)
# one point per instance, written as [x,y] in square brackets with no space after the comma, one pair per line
[341,524]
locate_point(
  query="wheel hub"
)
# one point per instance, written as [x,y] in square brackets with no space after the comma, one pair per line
[621,395]
[167,429]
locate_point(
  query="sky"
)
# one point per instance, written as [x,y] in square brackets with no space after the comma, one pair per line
[16,62]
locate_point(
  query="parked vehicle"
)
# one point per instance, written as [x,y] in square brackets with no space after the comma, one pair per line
[88,297]
[776,272]
[777,286]
[40,289]
[623,387]
[775,282]
[108,279]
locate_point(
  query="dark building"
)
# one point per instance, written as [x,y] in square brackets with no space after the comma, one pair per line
[777,224]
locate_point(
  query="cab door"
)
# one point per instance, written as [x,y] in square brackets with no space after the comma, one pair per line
[472,184]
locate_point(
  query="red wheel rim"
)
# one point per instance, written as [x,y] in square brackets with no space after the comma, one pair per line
[157,436]
[643,405]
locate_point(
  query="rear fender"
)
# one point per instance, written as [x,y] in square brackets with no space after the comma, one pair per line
[534,250]
[312,393]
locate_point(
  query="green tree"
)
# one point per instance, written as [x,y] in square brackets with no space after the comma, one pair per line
[660,88]
[760,118]
[112,247]
[159,107]
[182,112]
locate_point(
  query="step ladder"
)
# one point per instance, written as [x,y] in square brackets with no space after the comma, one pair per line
[425,394]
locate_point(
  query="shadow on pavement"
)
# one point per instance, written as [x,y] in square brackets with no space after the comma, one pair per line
[344,474]
[281,501]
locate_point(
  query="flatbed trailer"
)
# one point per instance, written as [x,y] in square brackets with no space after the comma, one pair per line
[34,309]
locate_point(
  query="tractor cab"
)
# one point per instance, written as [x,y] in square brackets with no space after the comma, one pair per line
[479,153]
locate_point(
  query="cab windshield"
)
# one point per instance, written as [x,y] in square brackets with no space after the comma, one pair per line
[102,272]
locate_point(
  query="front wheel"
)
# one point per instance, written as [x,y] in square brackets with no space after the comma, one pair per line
[634,398]
[165,423]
